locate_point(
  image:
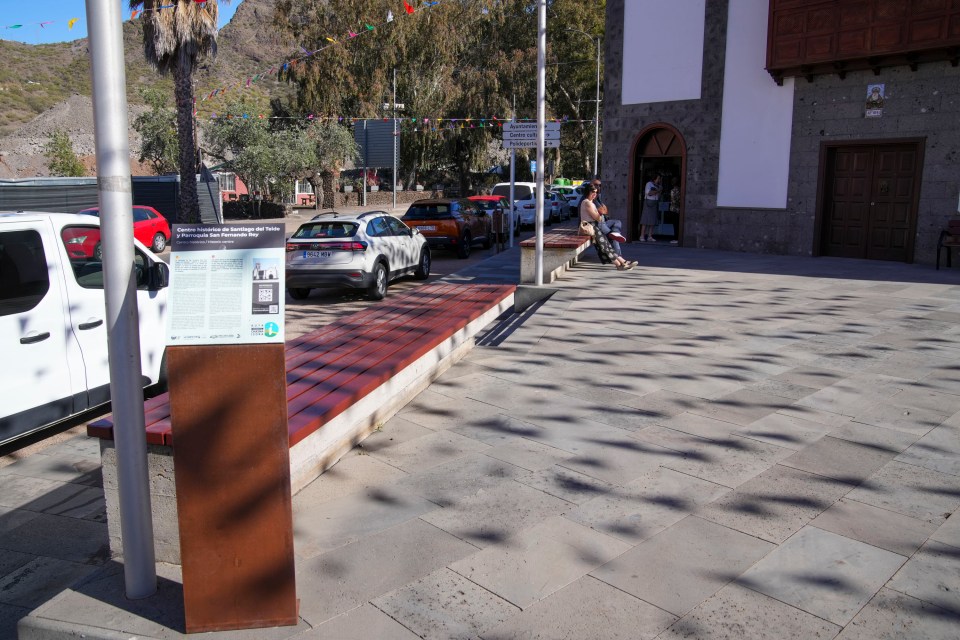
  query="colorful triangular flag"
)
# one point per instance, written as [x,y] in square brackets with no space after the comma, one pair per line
[71,22]
[407,7]
[389,16]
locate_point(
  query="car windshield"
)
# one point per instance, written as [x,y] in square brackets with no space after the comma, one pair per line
[90,212]
[327,229]
[427,211]
[486,205]
[520,191]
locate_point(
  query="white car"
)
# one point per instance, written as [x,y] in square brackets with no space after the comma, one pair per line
[53,324]
[359,251]
[573,195]
[525,202]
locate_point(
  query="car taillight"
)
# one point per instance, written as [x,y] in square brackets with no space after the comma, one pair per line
[344,246]
[529,206]
[77,240]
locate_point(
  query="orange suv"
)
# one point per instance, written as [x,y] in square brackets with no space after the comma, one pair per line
[451,224]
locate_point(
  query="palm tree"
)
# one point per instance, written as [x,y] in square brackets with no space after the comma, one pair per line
[174,40]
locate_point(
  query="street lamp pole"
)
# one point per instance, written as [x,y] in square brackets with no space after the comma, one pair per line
[596,119]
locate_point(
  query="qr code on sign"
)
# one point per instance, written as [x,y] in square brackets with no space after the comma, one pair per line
[274,308]
[265,295]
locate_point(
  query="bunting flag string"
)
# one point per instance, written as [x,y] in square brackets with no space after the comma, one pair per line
[427,124]
[285,66]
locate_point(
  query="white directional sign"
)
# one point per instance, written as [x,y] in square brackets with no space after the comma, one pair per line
[523,135]
[530,126]
[528,143]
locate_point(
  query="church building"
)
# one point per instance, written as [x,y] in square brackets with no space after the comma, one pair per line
[796,127]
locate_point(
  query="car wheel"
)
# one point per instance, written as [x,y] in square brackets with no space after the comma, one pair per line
[463,251]
[298,293]
[378,288]
[159,243]
[423,269]
[98,253]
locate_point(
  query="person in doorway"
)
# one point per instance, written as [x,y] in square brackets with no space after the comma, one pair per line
[589,214]
[650,211]
[675,209]
[608,227]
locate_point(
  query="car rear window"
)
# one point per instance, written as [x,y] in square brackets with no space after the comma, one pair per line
[520,191]
[326,229]
[427,211]
[486,205]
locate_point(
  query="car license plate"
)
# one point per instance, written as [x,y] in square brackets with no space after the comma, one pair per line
[317,254]
[427,227]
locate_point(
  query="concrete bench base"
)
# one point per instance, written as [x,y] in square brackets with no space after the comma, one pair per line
[561,250]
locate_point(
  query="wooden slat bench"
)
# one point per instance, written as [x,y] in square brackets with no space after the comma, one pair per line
[342,380]
[561,249]
[949,238]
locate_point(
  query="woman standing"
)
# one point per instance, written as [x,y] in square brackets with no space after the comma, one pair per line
[590,215]
[650,211]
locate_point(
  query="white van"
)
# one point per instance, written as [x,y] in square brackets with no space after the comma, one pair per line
[53,325]
[524,200]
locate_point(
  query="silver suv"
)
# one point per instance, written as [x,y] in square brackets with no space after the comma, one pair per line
[359,251]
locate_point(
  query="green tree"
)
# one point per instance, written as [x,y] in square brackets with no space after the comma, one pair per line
[158,132]
[175,38]
[61,159]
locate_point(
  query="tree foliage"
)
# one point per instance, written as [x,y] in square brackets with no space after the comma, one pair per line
[459,59]
[177,34]
[158,132]
[267,153]
[61,159]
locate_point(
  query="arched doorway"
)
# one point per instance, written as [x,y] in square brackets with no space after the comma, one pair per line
[658,149]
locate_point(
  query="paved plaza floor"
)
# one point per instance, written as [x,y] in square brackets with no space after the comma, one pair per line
[713,445]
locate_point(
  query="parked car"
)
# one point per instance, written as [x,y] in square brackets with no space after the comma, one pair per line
[359,251]
[524,201]
[555,207]
[53,325]
[499,209]
[149,227]
[573,195]
[451,223]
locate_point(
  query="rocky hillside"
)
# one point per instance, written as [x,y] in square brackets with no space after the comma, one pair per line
[47,87]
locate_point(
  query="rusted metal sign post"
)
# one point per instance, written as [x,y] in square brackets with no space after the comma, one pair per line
[229,416]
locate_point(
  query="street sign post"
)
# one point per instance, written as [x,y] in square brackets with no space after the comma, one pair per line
[528,143]
[523,135]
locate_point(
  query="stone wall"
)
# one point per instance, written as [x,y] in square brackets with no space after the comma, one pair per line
[922,103]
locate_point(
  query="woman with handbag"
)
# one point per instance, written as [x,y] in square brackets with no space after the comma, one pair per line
[590,220]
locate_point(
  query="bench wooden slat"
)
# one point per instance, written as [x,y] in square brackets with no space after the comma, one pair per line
[356,358]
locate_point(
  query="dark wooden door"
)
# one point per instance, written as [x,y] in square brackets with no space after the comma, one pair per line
[870,201]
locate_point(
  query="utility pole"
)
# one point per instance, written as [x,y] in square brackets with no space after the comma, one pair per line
[541,116]
[394,189]
[115,193]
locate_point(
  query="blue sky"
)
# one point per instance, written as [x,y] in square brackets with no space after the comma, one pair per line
[57,14]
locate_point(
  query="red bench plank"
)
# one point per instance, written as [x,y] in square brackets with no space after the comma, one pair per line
[331,368]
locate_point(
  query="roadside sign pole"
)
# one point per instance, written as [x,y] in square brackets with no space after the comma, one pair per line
[541,116]
[513,178]
[366,154]
[119,287]
[394,188]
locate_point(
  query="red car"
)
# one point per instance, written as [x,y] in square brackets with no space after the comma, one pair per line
[497,207]
[149,227]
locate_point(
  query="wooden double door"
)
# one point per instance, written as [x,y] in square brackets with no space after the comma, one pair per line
[870,194]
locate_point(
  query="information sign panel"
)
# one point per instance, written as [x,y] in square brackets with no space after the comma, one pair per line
[226,284]
[525,143]
[514,127]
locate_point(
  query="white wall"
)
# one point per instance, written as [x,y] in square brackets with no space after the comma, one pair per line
[662,50]
[757,116]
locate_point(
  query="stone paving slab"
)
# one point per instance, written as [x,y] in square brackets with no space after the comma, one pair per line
[683,565]
[362,623]
[931,575]
[603,613]
[445,605]
[737,613]
[539,561]
[891,615]
[878,527]
[824,574]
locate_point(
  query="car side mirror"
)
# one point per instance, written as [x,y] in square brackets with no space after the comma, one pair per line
[158,277]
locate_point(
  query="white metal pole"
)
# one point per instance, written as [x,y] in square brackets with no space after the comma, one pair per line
[513,178]
[366,154]
[596,122]
[394,189]
[541,116]
[120,288]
